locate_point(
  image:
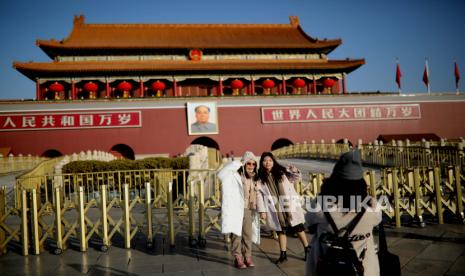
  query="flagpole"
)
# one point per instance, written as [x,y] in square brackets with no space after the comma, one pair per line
[398,76]
[457,77]
[427,75]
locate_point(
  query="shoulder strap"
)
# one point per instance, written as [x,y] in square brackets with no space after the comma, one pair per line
[350,227]
[331,222]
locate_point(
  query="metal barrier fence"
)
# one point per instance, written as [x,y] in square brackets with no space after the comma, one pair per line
[97,207]
[12,163]
[398,155]
[330,151]
[412,156]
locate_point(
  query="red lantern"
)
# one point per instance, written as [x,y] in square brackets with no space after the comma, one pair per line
[56,87]
[90,87]
[268,84]
[299,83]
[124,86]
[237,84]
[328,83]
[158,86]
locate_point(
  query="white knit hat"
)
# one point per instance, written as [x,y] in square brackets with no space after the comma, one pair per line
[248,155]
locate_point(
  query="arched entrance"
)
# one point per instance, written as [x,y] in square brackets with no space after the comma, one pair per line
[282,142]
[52,153]
[122,150]
[206,141]
[341,141]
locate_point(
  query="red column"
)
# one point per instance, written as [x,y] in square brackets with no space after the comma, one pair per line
[314,85]
[284,91]
[221,87]
[175,88]
[280,89]
[38,96]
[107,89]
[253,87]
[73,91]
[141,87]
[343,84]
[309,90]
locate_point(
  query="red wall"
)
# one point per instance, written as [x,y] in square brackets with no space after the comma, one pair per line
[240,128]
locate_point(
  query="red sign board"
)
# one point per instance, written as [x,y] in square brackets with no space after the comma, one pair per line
[74,120]
[304,114]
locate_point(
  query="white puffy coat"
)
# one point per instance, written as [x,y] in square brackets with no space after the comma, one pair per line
[232,203]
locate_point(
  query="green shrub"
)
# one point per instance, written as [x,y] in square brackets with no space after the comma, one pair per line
[125,164]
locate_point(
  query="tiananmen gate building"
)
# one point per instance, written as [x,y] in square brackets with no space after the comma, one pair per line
[138,89]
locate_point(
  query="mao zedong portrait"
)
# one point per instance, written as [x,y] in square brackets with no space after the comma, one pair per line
[202,125]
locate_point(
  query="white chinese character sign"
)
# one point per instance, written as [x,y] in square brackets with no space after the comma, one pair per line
[302,114]
[69,120]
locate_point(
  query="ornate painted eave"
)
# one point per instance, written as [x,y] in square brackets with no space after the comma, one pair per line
[35,70]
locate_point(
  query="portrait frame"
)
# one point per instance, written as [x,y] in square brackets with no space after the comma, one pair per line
[193,126]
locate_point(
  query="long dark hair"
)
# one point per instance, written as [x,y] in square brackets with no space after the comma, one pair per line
[277,171]
[338,187]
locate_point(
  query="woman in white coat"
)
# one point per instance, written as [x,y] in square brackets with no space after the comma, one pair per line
[341,196]
[279,204]
[238,210]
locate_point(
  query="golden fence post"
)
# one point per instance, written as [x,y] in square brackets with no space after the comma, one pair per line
[450,175]
[299,187]
[45,185]
[201,212]
[24,223]
[2,213]
[458,190]
[2,200]
[437,187]
[127,224]
[395,184]
[366,177]
[191,212]
[35,223]
[372,183]
[169,201]
[148,206]
[59,234]
[104,217]
[416,183]
[321,177]
[82,221]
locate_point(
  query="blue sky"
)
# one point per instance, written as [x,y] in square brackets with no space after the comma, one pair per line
[378,30]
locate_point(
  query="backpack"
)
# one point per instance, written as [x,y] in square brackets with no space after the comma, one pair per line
[337,254]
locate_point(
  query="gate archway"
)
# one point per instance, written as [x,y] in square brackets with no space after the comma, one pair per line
[52,153]
[206,141]
[122,150]
[280,143]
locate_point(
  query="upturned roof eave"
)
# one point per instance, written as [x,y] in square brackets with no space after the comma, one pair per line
[54,48]
[184,36]
[36,70]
